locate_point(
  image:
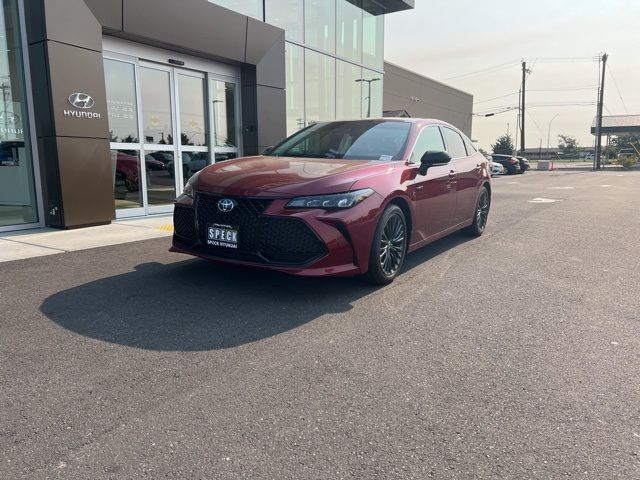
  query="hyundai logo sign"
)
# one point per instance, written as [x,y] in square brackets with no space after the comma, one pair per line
[81,100]
[225,205]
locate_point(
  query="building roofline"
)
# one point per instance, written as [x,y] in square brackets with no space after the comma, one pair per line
[428,78]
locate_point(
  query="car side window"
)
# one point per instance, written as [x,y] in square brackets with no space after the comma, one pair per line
[455,144]
[429,140]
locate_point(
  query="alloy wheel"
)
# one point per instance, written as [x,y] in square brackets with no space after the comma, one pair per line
[482,212]
[392,245]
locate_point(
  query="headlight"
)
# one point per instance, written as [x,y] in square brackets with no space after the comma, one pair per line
[335,201]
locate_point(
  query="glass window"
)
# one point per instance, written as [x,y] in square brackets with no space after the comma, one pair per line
[192,163]
[455,144]
[156,106]
[348,91]
[349,31]
[320,82]
[120,83]
[371,94]
[251,8]
[127,189]
[373,40]
[360,140]
[294,57]
[429,140]
[286,14]
[223,103]
[160,171]
[193,127]
[320,24]
[17,187]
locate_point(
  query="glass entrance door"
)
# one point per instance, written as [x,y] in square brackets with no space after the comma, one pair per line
[174,110]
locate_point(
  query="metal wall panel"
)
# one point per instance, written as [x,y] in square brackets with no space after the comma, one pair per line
[436,100]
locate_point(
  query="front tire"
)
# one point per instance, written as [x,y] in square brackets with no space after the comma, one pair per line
[389,247]
[483,205]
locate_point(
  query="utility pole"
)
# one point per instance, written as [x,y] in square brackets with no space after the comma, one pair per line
[596,158]
[522,107]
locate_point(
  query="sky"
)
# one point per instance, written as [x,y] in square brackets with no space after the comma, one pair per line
[443,40]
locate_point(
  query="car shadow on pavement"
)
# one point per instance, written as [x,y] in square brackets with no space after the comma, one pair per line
[195,305]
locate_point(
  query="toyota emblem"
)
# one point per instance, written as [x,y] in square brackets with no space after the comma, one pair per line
[225,205]
[81,100]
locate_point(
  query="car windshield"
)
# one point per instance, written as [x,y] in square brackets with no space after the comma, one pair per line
[382,140]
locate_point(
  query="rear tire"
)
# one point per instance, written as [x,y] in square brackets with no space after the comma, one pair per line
[481,215]
[389,247]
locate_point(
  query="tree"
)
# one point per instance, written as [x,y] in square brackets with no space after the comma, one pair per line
[568,145]
[625,141]
[504,145]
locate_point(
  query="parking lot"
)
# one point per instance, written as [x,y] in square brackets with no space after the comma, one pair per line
[515,355]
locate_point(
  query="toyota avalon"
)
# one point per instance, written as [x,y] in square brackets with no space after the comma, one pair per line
[341,198]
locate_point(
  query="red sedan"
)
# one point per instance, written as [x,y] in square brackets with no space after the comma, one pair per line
[339,198]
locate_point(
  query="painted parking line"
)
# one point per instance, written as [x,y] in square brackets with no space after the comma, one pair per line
[543,200]
[561,188]
[605,186]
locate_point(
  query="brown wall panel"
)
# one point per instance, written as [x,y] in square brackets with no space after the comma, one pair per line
[190,25]
[86,180]
[76,70]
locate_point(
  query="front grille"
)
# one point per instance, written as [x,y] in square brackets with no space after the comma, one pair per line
[184,222]
[262,238]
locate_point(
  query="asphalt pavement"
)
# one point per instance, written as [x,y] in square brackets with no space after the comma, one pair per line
[515,356]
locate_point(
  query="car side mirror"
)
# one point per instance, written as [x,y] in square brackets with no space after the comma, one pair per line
[433,159]
[267,151]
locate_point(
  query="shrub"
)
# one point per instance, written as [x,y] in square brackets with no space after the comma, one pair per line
[626,161]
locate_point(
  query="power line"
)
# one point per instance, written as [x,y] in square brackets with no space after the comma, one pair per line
[496,98]
[617,88]
[493,69]
[535,123]
[566,89]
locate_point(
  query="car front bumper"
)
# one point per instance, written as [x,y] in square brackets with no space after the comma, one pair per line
[344,236]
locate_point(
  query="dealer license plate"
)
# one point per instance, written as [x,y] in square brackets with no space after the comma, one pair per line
[222,236]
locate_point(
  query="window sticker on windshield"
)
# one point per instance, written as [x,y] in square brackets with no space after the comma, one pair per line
[386,157]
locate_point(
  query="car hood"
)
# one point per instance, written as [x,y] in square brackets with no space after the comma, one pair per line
[286,176]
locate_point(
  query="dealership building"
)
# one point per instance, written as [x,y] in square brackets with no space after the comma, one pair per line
[110,105]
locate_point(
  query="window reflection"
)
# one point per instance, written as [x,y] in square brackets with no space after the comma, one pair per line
[294,57]
[320,86]
[156,106]
[224,113]
[160,171]
[192,163]
[320,24]
[349,91]
[349,31]
[192,110]
[373,40]
[371,94]
[121,101]
[127,186]
[288,15]
[17,188]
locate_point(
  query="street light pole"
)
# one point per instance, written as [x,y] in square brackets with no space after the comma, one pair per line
[549,137]
[359,80]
